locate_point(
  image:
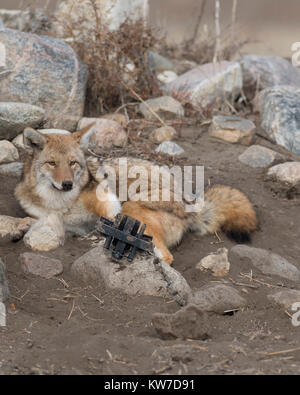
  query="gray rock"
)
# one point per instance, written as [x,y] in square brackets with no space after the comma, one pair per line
[267,262]
[285,298]
[4,291]
[165,106]
[14,117]
[286,172]
[165,133]
[159,63]
[187,323]
[279,109]
[232,129]
[217,298]
[169,148]
[142,276]
[39,265]
[257,156]
[107,134]
[8,152]
[19,142]
[47,72]
[207,85]
[261,72]
[14,169]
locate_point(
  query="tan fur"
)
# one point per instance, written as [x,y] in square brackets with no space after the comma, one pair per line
[40,193]
[167,221]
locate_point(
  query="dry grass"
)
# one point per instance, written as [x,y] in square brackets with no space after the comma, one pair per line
[117,60]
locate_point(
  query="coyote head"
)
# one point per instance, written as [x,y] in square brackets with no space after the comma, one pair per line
[57,161]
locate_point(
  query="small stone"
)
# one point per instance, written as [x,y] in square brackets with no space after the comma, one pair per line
[167,76]
[257,156]
[14,169]
[107,134]
[267,262]
[165,133]
[159,63]
[286,172]
[218,298]
[46,234]
[217,263]
[39,265]
[188,323]
[232,129]
[170,148]
[117,117]
[13,229]
[165,107]
[4,291]
[207,85]
[14,117]
[54,131]
[8,152]
[286,298]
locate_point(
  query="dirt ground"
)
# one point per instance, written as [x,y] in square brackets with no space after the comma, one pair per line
[61,326]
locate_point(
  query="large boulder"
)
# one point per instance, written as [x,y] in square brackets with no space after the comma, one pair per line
[261,72]
[143,276]
[46,72]
[279,109]
[207,85]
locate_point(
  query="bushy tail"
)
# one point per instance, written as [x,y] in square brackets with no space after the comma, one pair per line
[227,209]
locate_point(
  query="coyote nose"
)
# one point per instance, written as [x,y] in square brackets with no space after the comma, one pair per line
[67,185]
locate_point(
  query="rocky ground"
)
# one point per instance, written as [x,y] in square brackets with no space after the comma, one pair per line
[61,325]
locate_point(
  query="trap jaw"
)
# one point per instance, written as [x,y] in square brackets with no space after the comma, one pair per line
[125,235]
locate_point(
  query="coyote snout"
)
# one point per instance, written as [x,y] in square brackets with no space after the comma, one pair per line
[67,185]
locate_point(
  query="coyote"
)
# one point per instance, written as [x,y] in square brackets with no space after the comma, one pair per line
[58,178]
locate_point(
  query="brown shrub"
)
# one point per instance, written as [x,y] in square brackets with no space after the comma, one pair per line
[117,62]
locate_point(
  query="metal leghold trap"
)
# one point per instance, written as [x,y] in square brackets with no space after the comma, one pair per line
[125,237]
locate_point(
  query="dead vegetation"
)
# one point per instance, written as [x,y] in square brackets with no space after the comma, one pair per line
[117,61]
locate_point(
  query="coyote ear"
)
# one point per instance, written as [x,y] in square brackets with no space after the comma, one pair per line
[34,139]
[84,135]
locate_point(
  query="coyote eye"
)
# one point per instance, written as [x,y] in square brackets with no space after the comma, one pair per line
[52,164]
[73,163]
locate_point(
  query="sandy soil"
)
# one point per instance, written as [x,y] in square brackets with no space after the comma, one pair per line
[59,326]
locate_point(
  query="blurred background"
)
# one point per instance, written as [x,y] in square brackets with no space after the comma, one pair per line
[270,25]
